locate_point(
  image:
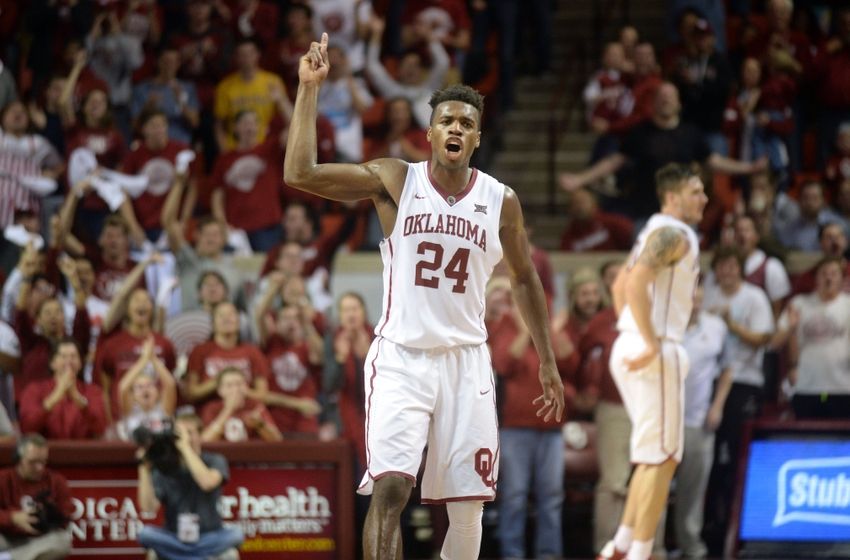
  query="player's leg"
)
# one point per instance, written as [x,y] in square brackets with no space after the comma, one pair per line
[400,393]
[463,541]
[382,530]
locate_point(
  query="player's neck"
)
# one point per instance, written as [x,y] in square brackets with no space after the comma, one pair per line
[450,180]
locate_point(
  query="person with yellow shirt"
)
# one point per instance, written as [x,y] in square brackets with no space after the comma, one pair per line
[248,89]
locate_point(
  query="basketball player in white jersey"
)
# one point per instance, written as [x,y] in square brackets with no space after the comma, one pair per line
[428,376]
[653,296]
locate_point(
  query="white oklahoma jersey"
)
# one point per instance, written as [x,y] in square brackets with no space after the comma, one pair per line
[654,395]
[672,293]
[438,259]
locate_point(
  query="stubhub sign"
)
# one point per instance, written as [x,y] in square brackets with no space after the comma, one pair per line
[797,491]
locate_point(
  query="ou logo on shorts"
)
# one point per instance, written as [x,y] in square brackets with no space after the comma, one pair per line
[484,466]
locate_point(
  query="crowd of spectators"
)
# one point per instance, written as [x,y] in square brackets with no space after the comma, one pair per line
[141,146]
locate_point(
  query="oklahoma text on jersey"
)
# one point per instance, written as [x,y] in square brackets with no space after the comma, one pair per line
[447,224]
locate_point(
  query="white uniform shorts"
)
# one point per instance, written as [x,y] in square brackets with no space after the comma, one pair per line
[654,398]
[444,398]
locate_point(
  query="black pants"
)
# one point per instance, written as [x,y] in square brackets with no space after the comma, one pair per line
[824,406]
[743,404]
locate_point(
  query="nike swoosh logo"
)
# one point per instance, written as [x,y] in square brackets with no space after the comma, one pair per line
[483,392]
[420,197]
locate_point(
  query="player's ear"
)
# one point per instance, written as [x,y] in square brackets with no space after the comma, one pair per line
[478,139]
[428,134]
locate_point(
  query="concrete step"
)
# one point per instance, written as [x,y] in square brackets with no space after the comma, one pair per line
[527,140]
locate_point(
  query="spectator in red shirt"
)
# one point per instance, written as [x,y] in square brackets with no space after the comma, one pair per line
[643,87]
[832,84]
[833,244]
[296,41]
[132,309]
[448,20]
[400,137]
[223,351]
[294,349]
[254,18]
[147,394]
[64,407]
[154,157]
[760,115]
[110,256]
[37,334]
[532,451]
[21,486]
[236,417]
[606,99]
[590,229]
[585,301]
[773,36]
[246,183]
[344,371]
[838,167]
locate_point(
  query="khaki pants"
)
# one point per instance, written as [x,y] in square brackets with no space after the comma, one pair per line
[613,430]
[691,481]
[50,546]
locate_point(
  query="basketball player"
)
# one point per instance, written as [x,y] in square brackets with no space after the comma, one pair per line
[428,376]
[653,296]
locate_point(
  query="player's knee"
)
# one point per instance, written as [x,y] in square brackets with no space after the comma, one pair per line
[392,491]
[465,516]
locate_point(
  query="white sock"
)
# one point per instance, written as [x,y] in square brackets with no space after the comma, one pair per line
[463,541]
[623,538]
[640,550]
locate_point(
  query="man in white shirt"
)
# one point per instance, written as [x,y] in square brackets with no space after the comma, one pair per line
[747,312]
[706,389]
[816,326]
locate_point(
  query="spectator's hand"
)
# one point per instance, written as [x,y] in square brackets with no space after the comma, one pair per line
[361,343]
[97,27]
[599,125]
[328,432]
[84,186]
[376,27]
[308,407]
[114,23]
[81,58]
[570,182]
[254,419]
[182,442]
[154,258]
[342,347]
[68,268]
[67,379]
[233,402]
[759,165]
[551,402]
[24,521]
[28,261]
[314,66]
[149,349]
[560,320]
[713,418]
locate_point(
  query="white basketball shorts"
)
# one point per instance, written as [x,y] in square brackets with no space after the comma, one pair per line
[444,398]
[654,398]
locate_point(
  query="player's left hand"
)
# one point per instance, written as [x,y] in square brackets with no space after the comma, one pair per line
[551,402]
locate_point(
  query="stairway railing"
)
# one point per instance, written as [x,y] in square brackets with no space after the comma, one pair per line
[566,98]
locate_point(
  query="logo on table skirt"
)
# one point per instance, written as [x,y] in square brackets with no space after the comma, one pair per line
[814,491]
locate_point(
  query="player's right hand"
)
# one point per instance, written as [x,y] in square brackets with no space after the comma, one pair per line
[551,402]
[314,66]
[641,360]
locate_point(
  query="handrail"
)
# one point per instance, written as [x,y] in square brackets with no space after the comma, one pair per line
[565,99]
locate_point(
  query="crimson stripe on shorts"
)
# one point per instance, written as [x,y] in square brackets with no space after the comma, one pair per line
[389,290]
[369,402]
[663,408]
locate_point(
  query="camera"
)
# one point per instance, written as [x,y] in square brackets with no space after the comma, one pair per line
[49,516]
[160,450]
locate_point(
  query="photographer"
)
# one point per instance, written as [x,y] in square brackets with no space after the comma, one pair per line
[189,490]
[35,505]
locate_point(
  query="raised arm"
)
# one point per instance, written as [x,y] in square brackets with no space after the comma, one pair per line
[529,297]
[118,306]
[169,217]
[664,247]
[343,182]
[606,166]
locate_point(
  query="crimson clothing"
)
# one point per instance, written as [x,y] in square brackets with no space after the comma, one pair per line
[237,428]
[643,91]
[837,170]
[251,182]
[374,149]
[16,494]
[66,420]
[832,74]
[804,283]
[209,358]
[612,89]
[595,349]
[293,375]
[118,352]
[108,146]
[158,167]
[441,12]
[798,43]
[603,232]
[107,278]
[202,61]
[352,399]
[35,348]
[263,21]
[543,266]
[519,377]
